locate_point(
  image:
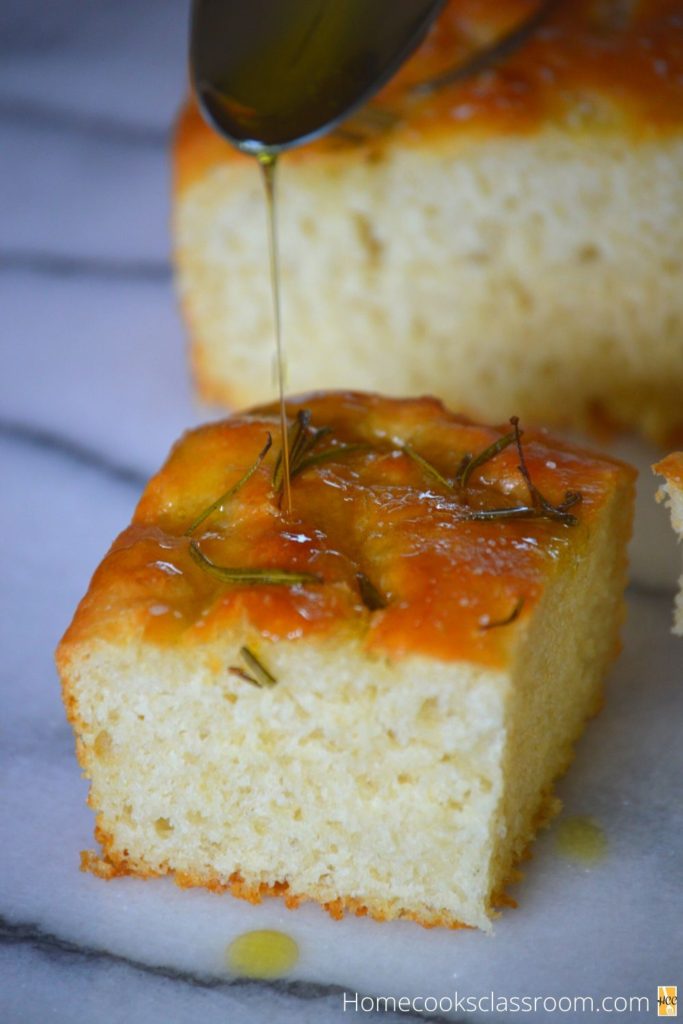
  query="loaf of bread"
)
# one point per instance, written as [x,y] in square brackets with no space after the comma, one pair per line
[366,702]
[671,492]
[511,240]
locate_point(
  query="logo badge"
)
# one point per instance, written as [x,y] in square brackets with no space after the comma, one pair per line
[667,1000]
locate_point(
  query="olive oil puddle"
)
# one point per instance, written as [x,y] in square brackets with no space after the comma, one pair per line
[581,839]
[265,954]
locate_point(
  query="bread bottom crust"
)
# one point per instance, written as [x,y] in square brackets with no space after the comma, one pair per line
[111,864]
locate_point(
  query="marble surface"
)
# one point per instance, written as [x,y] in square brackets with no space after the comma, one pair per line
[93,391]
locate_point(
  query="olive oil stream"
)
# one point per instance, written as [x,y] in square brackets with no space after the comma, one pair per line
[268,163]
[271,74]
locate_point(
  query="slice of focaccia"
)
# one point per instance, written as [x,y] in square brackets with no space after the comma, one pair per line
[671,491]
[511,240]
[365,702]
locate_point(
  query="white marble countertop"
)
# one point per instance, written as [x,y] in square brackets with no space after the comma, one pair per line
[93,391]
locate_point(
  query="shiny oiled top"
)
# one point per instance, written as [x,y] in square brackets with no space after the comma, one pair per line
[449,583]
[590,65]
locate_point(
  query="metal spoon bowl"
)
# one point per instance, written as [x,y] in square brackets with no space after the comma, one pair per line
[271,74]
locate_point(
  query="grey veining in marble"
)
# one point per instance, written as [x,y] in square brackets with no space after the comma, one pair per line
[93,390]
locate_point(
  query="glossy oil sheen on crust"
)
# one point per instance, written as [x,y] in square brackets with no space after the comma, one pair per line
[446,578]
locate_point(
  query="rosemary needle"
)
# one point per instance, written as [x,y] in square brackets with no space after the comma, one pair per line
[426,466]
[371,597]
[514,614]
[231,491]
[470,463]
[265,576]
[329,455]
[258,674]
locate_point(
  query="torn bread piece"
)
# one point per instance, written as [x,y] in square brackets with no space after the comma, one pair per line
[671,492]
[365,704]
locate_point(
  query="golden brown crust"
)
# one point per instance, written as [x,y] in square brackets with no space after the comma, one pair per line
[446,575]
[114,864]
[590,62]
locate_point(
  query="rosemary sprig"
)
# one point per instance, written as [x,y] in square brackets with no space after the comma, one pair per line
[540,503]
[228,574]
[472,462]
[560,513]
[370,595]
[539,506]
[301,443]
[231,491]
[298,444]
[267,577]
[258,675]
[328,455]
[427,466]
[514,614]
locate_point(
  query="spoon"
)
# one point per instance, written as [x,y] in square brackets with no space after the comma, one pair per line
[272,74]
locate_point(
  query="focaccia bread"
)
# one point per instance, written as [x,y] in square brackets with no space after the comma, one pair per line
[671,492]
[510,241]
[379,731]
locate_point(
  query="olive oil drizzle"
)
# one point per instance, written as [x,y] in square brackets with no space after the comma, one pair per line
[268,163]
